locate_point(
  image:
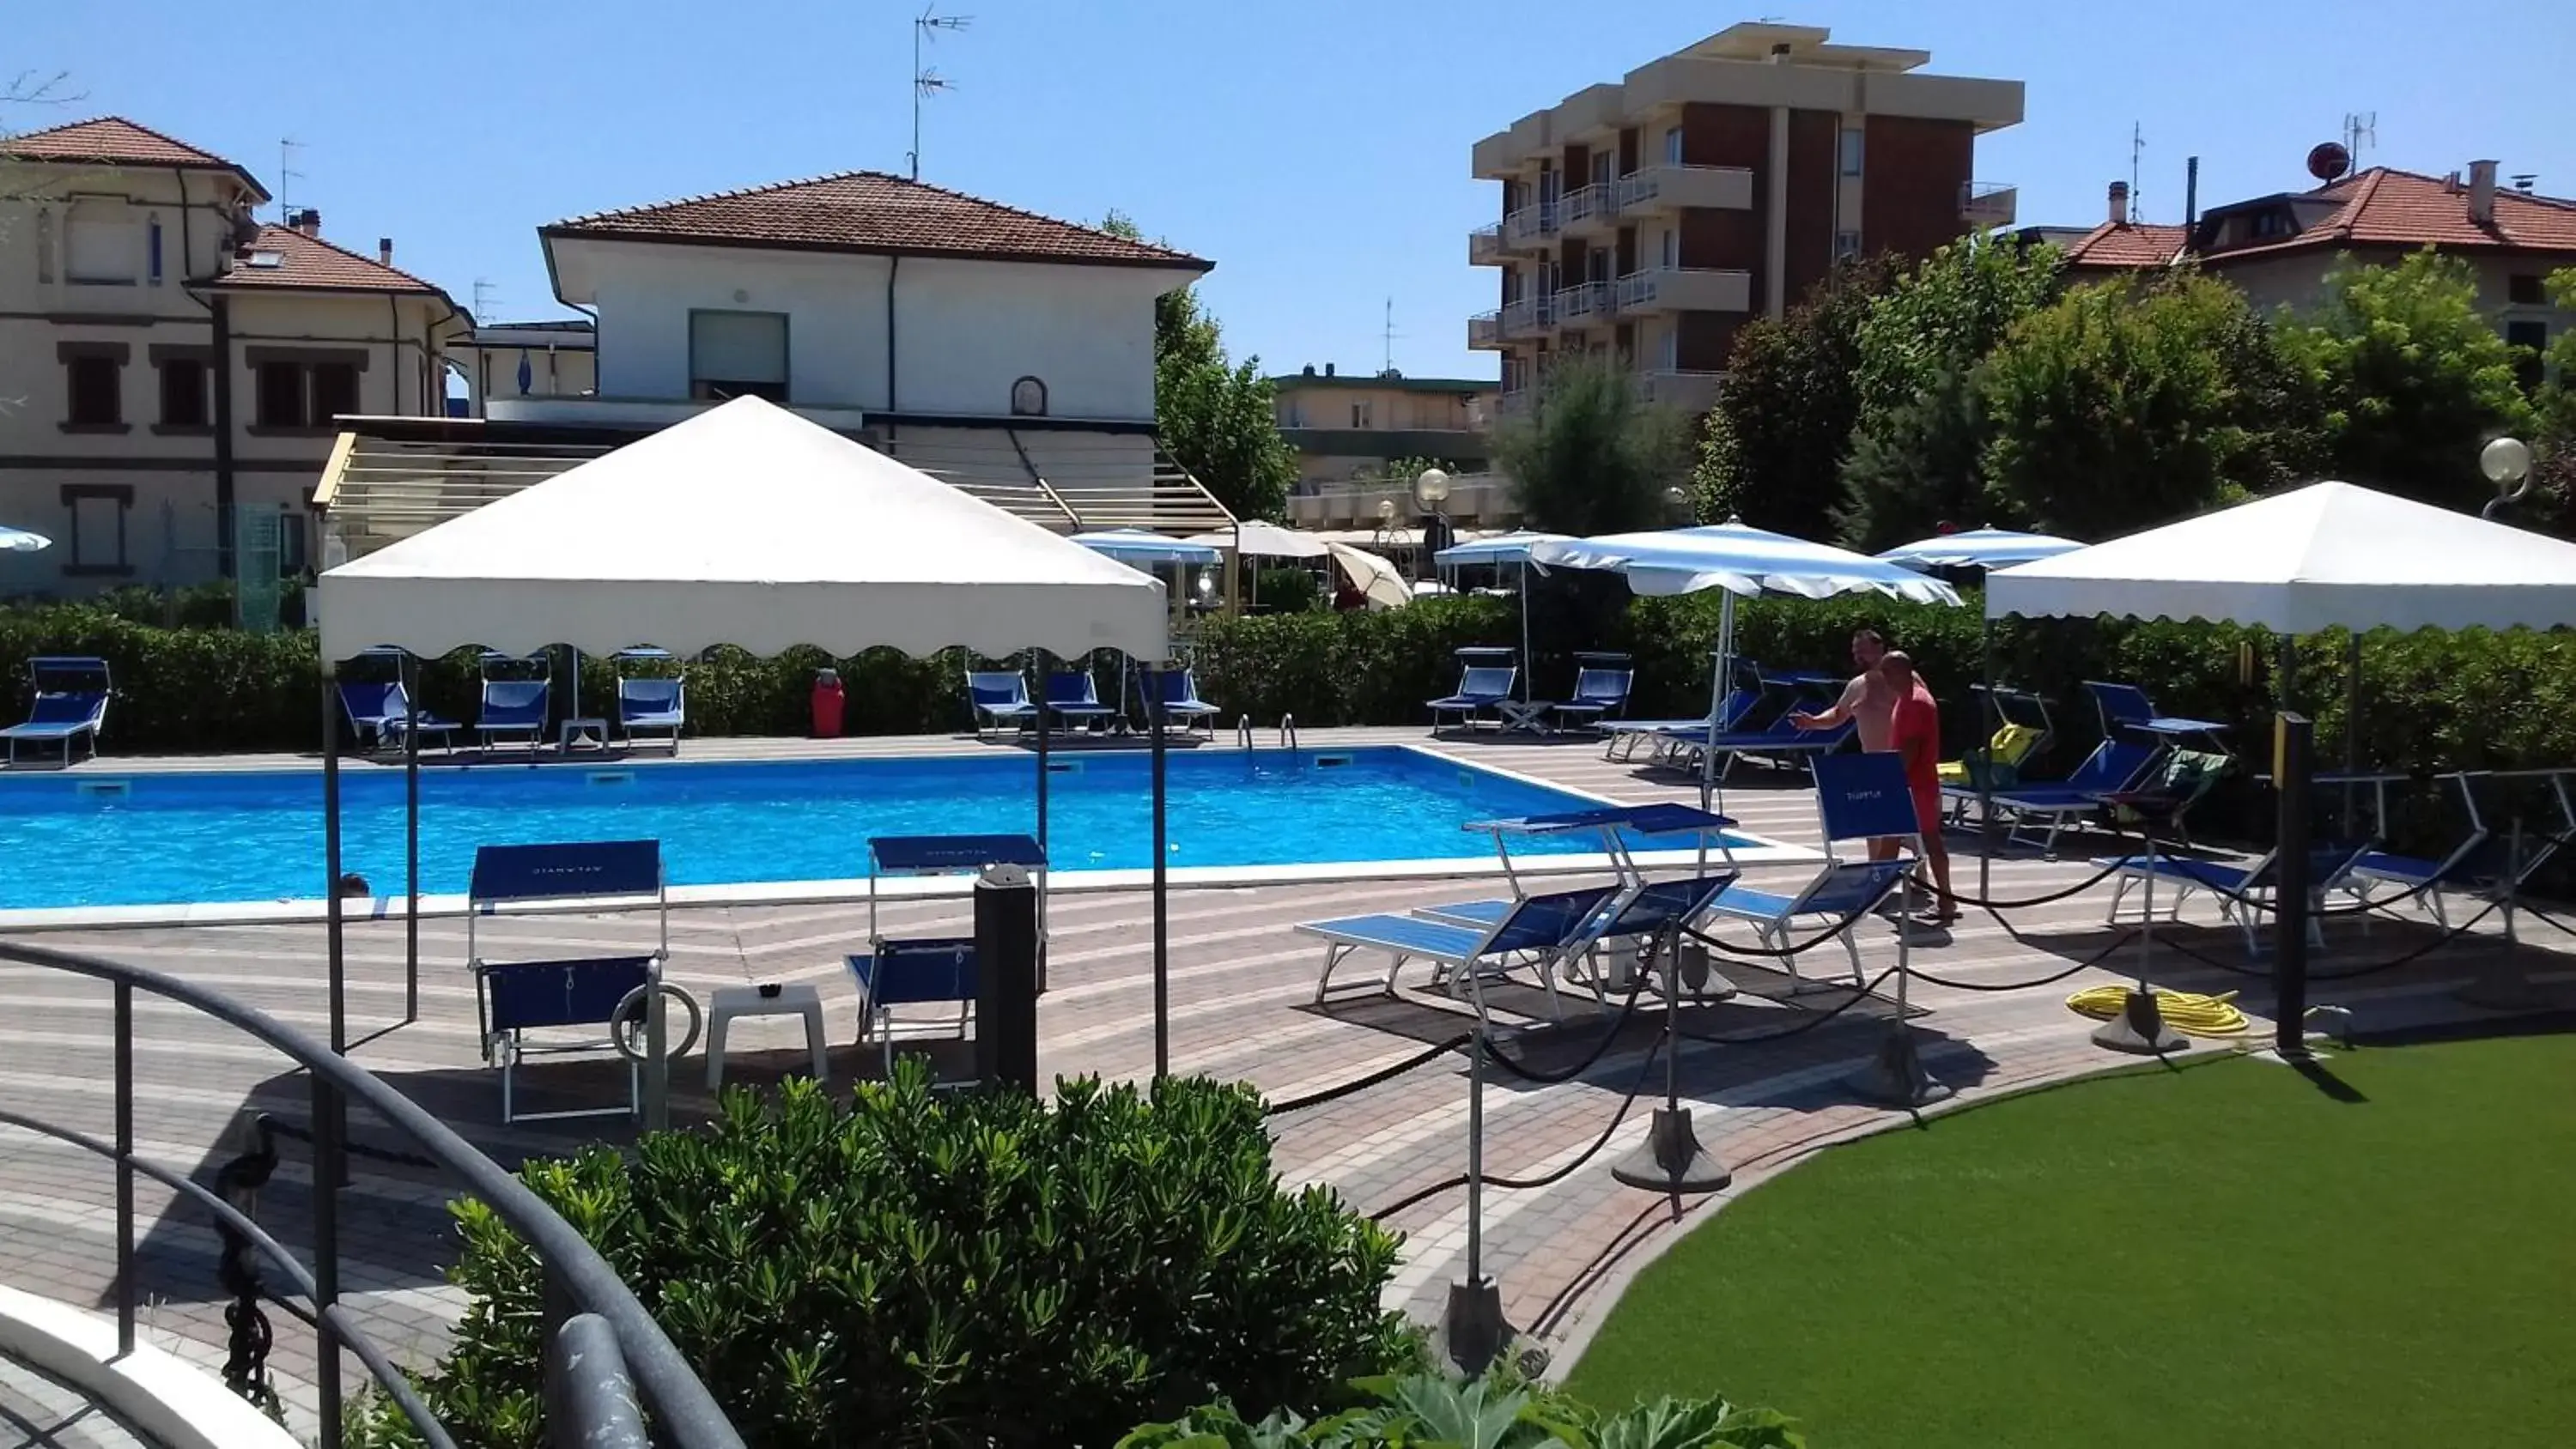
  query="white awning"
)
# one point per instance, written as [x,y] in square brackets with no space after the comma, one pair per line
[744,525]
[2327,556]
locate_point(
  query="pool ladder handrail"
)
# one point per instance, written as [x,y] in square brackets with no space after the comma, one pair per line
[1287,731]
[1243,732]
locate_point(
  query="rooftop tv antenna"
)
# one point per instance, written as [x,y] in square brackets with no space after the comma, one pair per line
[2137,149]
[928,83]
[1387,367]
[287,175]
[2360,128]
[485,294]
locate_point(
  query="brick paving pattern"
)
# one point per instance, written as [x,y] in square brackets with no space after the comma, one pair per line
[1241,1007]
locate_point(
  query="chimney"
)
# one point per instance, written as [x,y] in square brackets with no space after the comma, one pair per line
[384,251]
[2119,203]
[1328,369]
[307,221]
[2482,179]
[1310,369]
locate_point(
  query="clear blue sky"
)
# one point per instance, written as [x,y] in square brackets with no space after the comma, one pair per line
[1317,152]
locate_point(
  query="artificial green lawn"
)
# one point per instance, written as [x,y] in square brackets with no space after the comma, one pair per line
[2214,1256]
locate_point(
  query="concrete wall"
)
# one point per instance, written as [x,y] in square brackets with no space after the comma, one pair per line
[965,331]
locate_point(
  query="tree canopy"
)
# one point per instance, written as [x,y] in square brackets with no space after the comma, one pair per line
[2130,402]
[1773,449]
[1217,416]
[2406,378]
[1592,457]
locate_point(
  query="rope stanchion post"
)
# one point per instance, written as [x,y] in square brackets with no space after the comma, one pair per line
[2140,1029]
[1473,1329]
[2293,740]
[1671,1159]
[1896,1078]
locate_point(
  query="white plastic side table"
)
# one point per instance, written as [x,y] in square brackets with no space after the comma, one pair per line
[793,999]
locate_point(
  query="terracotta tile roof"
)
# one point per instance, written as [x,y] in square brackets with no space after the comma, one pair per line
[312,264]
[2125,244]
[869,211]
[2386,207]
[116,141]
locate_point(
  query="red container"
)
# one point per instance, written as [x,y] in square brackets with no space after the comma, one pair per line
[827,705]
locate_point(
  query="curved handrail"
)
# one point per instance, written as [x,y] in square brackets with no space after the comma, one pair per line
[685,1413]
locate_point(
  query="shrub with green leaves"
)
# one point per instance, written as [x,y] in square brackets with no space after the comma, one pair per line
[903,1268]
[1426,1411]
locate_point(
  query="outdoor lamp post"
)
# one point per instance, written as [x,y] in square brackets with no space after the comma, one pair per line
[1431,491]
[2507,464]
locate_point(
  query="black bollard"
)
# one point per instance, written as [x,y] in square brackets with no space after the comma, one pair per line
[2293,738]
[1006,978]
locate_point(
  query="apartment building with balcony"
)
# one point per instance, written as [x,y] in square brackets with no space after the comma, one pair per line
[1347,425]
[172,368]
[1647,218]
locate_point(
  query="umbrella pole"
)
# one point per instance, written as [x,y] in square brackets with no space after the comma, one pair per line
[333,925]
[1716,696]
[1162,920]
[2352,737]
[1527,663]
[1986,773]
[411,838]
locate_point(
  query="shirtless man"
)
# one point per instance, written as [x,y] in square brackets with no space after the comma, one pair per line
[1917,738]
[1869,702]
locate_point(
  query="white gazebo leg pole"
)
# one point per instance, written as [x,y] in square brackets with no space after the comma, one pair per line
[1716,698]
[1527,663]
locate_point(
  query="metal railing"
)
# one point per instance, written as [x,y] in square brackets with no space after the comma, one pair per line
[587,1306]
[1584,299]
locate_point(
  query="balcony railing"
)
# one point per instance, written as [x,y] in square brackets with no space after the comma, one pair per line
[1667,187]
[1528,316]
[1588,207]
[1988,203]
[1582,300]
[1686,289]
[1530,223]
[1690,391]
[1485,246]
[1485,331]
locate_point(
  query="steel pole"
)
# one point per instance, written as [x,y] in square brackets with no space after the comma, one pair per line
[411,838]
[1162,887]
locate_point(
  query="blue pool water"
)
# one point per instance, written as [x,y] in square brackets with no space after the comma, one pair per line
[90,839]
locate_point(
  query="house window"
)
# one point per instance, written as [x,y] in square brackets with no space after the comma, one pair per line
[1029,398]
[1852,141]
[737,354]
[1670,352]
[2268,224]
[153,247]
[183,393]
[2533,340]
[1605,167]
[335,392]
[93,384]
[1672,145]
[1362,414]
[1672,248]
[97,542]
[2526,289]
[44,246]
[281,395]
[1846,245]
[101,248]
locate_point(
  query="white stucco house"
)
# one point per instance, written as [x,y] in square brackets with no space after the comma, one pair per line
[1009,352]
[169,364]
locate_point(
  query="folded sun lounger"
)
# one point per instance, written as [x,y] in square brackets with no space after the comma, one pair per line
[1543,929]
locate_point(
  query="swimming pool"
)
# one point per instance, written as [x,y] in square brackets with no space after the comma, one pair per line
[88,839]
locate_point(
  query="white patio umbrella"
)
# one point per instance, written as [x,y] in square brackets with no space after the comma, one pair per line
[1505,548]
[1145,549]
[1739,560]
[1979,548]
[19,540]
[1263,540]
[1372,576]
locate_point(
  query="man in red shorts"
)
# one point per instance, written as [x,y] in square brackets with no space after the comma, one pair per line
[1915,735]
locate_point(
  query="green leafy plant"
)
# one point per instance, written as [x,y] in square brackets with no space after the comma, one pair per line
[1497,1411]
[1774,445]
[1592,457]
[909,1267]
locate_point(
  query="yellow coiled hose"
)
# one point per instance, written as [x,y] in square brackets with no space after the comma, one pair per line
[2185,1011]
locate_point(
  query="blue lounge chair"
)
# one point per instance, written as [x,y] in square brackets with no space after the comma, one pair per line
[913,971]
[2125,707]
[514,708]
[1546,929]
[1599,693]
[1480,687]
[380,713]
[2329,864]
[1650,912]
[999,698]
[1072,695]
[606,994]
[2115,765]
[645,705]
[1782,741]
[1846,889]
[70,704]
[1180,695]
[1624,736]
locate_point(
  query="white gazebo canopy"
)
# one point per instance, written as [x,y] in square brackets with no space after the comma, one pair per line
[2327,556]
[745,525]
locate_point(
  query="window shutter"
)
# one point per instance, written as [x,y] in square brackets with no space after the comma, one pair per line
[738,347]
